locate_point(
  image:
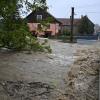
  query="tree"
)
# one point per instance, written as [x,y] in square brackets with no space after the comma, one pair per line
[13,30]
[86,26]
[35,4]
[10,18]
[44,24]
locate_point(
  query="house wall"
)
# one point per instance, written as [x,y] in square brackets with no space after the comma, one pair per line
[54,28]
[68,27]
[76,30]
[32,26]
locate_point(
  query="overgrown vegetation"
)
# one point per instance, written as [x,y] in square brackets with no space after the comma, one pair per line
[66,32]
[14,32]
[65,35]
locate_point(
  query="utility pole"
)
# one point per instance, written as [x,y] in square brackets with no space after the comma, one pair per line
[72,22]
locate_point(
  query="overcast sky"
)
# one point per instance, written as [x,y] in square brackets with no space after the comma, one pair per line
[62,8]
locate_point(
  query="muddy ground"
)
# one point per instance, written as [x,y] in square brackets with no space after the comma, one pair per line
[37,76]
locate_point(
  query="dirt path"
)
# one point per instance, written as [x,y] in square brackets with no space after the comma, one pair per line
[44,68]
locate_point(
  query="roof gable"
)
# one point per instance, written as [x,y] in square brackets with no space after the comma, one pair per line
[32,17]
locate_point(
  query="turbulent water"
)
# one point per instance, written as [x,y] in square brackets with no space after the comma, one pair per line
[20,72]
[50,69]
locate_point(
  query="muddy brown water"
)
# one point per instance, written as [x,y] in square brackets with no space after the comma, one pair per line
[44,68]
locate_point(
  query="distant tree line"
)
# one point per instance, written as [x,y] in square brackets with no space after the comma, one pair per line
[85,26]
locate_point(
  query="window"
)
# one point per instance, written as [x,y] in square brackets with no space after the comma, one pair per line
[39,17]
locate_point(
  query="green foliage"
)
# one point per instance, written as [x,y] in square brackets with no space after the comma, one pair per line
[65,35]
[34,45]
[35,4]
[37,47]
[45,42]
[13,35]
[86,26]
[64,38]
[66,32]
[46,47]
[44,24]
[11,30]
[14,32]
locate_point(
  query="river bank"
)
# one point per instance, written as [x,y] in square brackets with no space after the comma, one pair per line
[82,81]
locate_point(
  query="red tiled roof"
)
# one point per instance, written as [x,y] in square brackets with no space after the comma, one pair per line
[66,21]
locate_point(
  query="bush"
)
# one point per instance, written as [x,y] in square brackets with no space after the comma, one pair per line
[48,49]
[13,40]
[66,32]
[64,35]
[34,45]
[19,38]
[37,47]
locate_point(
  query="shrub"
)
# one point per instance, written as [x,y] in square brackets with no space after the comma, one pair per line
[66,32]
[48,49]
